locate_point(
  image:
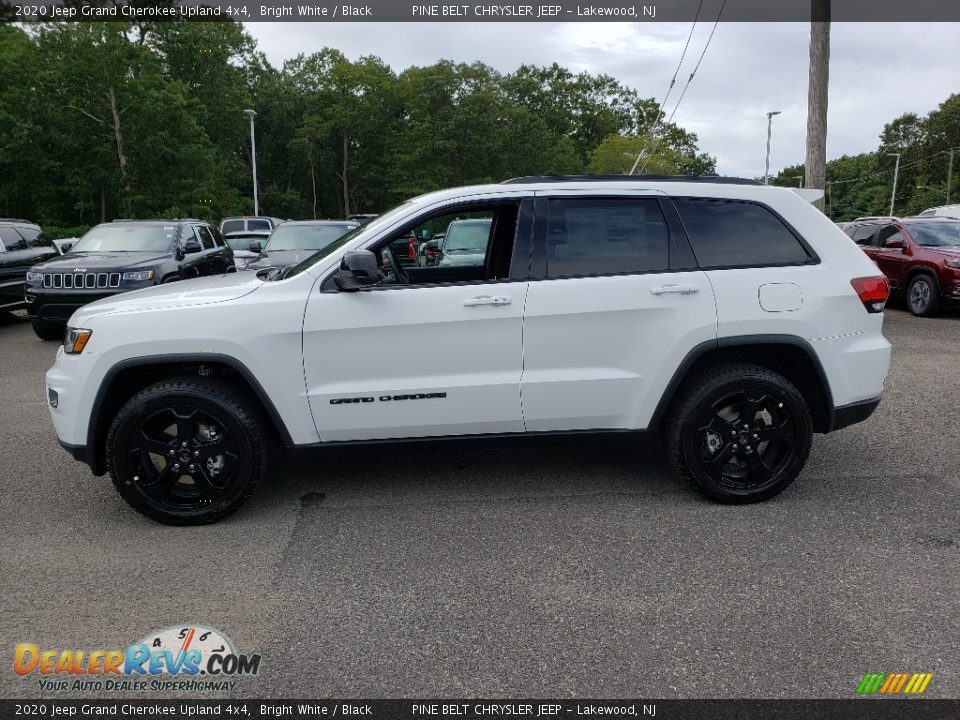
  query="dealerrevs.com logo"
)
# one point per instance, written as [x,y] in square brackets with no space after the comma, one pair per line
[188,657]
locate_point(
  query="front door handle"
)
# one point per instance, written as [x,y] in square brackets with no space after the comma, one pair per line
[675,290]
[487,300]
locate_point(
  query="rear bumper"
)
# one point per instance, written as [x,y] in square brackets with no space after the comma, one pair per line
[851,414]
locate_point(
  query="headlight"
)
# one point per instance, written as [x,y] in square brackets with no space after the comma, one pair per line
[34,277]
[955,264]
[75,340]
[139,276]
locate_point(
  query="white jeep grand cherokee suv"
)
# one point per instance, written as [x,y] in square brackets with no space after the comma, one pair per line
[732,317]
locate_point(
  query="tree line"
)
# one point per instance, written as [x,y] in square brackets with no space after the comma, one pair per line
[106,120]
[862,184]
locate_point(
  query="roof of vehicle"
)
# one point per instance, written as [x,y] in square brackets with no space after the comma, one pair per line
[247,233]
[876,218]
[172,221]
[904,220]
[18,221]
[693,186]
[927,219]
[252,217]
[321,222]
[716,179]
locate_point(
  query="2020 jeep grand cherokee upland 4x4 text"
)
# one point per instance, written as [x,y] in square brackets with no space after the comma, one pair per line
[734,318]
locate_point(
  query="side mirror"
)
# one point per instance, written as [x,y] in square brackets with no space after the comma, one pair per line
[895,243]
[191,246]
[358,270]
[255,246]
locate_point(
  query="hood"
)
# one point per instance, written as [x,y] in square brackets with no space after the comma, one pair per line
[948,251]
[83,262]
[282,258]
[184,293]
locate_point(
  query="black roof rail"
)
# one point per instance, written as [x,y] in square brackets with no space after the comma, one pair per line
[717,179]
[17,220]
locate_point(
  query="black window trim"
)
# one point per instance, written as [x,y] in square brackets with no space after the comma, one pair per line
[680,257]
[812,257]
[519,271]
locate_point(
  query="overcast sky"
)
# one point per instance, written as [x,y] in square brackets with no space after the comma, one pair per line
[877,71]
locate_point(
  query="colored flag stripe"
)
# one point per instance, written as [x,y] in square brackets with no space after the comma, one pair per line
[926,681]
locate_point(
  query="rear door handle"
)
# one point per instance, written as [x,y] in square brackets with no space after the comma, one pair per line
[675,290]
[487,300]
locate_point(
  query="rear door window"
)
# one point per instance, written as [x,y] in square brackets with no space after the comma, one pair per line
[603,236]
[863,235]
[737,233]
[12,240]
[206,239]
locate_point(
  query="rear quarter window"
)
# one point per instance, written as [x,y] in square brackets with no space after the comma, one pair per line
[737,233]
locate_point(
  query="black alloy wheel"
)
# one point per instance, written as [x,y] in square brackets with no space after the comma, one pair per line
[186,451]
[740,433]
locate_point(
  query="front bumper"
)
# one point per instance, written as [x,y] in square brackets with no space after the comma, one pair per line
[58,306]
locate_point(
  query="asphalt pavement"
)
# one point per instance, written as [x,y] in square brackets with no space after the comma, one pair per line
[568,571]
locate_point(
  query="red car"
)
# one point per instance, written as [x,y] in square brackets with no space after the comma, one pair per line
[919,255]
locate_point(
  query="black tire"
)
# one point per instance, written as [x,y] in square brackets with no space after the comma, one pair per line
[202,425]
[923,295]
[170,279]
[731,458]
[48,331]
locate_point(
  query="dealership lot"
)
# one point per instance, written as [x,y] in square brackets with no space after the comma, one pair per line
[562,571]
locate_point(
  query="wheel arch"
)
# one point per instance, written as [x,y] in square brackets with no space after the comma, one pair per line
[129,377]
[925,270]
[789,355]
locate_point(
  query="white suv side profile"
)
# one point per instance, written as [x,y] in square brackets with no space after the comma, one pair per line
[732,317]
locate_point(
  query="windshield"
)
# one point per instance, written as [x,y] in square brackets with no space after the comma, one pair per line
[371,227]
[125,237]
[471,235]
[228,226]
[936,234]
[306,237]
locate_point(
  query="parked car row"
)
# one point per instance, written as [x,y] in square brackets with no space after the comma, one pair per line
[53,279]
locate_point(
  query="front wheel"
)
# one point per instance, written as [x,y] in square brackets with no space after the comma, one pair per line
[186,451]
[740,433]
[923,298]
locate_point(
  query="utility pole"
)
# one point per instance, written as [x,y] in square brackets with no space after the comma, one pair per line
[817,96]
[896,173]
[766,169]
[950,175]
[253,156]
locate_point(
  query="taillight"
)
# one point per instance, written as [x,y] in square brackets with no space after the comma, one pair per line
[431,252]
[873,292]
[411,251]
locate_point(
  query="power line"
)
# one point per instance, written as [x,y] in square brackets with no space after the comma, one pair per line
[673,81]
[689,80]
[881,173]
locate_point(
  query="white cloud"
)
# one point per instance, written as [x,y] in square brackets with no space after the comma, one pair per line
[878,71]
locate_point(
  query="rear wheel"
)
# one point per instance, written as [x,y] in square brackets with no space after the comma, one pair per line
[923,297]
[48,331]
[740,433]
[186,451]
